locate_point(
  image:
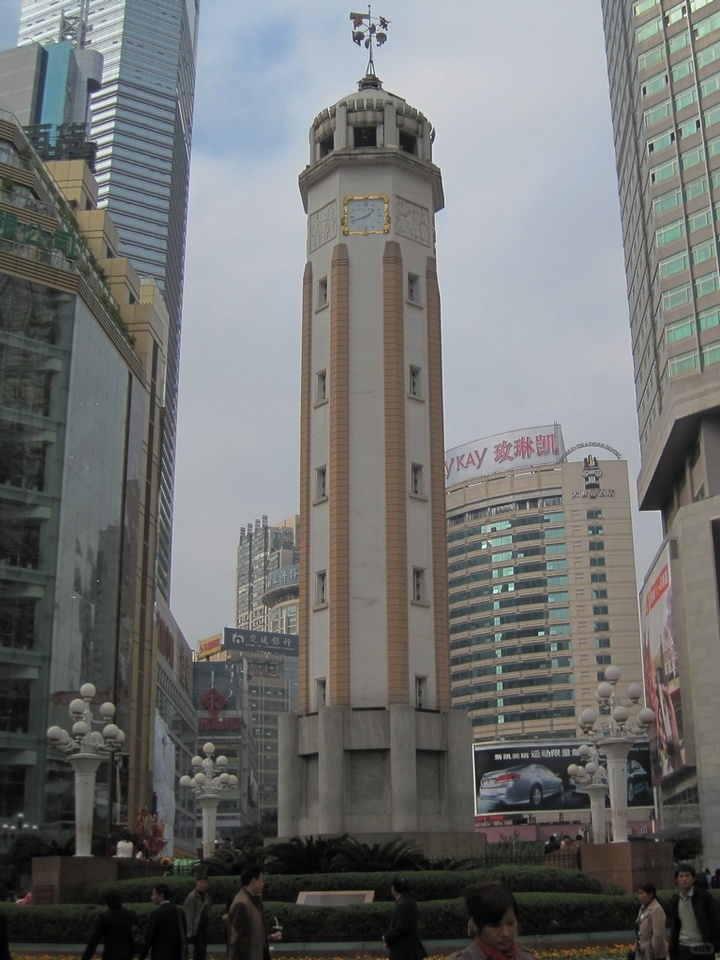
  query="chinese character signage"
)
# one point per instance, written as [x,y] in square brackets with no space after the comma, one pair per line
[258,641]
[531,447]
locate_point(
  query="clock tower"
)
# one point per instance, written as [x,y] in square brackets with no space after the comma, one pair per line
[375,750]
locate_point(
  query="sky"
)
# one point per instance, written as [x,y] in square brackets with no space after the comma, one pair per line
[529,247]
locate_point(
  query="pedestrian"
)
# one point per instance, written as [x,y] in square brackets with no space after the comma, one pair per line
[197,916]
[165,937]
[715,881]
[247,937]
[493,914]
[115,928]
[552,844]
[650,942]
[401,938]
[4,941]
[694,921]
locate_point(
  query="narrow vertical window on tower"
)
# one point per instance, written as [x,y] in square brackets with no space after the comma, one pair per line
[321,588]
[321,387]
[322,293]
[418,585]
[417,488]
[365,136]
[420,692]
[320,692]
[413,288]
[415,387]
[321,483]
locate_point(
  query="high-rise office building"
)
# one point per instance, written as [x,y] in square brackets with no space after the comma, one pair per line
[541,582]
[267,599]
[664,75]
[142,124]
[82,342]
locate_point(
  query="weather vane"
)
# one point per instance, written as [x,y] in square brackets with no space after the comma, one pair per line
[369,31]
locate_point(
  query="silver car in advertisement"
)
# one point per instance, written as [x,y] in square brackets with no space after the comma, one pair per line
[525,783]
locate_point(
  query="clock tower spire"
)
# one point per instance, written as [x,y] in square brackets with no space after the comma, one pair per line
[375,749]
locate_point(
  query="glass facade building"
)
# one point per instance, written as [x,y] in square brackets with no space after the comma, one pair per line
[79,422]
[664,77]
[142,124]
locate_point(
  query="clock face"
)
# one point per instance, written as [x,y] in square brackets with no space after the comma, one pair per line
[366,215]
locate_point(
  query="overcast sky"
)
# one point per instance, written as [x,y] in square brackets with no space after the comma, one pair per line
[529,246]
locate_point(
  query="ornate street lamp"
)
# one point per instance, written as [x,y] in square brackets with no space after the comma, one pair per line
[612,732]
[86,749]
[210,778]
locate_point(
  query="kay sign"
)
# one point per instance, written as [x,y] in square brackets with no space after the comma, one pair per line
[530,447]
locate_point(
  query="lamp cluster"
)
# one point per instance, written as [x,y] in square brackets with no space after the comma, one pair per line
[209,773]
[614,719]
[82,738]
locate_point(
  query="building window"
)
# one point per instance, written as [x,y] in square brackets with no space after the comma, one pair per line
[322,293]
[327,145]
[413,288]
[600,610]
[321,387]
[418,585]
[365,136]
[595,530]
[603,642]
[320,692]
[415,386]
[596,545]
[321,483]
[408,143]
[597,561]
[321,588]
[417,486]
[598,577]
[602,658]
[420,692]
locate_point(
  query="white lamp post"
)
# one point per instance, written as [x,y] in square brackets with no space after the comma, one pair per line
[612,732]
[86,749]
[210,778]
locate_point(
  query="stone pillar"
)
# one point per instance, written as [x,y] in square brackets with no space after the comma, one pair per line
[209,804]
[597,793]
[616,750]
[85,766]
[331,770]
[403,771]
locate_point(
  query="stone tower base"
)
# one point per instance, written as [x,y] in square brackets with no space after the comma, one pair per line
[376,773]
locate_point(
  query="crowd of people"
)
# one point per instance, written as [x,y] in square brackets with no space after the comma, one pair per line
[690,928]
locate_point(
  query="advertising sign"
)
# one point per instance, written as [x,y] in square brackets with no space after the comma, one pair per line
[259,641]
[532,777]
[661,671]
[529,447]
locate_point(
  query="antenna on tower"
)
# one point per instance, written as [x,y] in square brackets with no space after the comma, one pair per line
[74,24]
[370,32]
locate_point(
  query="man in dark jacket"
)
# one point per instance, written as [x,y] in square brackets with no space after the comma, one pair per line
[165,937]
[694,920]
[401,937]
[115,929]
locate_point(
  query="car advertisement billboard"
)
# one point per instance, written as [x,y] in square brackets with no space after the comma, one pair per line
[533,777]
[661,671]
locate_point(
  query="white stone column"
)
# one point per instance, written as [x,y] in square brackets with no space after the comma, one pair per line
[209,804]
[597,793]
[403,769]
[85,766]
[616,750]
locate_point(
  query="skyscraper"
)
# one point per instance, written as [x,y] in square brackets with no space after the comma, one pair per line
[664,73]
[142,123]
[541,582]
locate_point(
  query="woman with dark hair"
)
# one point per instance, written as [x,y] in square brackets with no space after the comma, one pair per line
[493,924]
[650,942]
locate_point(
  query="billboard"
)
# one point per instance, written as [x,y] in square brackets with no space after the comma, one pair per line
[260,641]
[661,670]
[517,448]
[533,777]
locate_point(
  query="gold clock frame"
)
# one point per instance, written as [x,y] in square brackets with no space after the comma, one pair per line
[344,224]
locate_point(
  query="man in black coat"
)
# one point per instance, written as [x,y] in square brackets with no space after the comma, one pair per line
[114,929]
[694,920]
[166,934]
[401,937]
